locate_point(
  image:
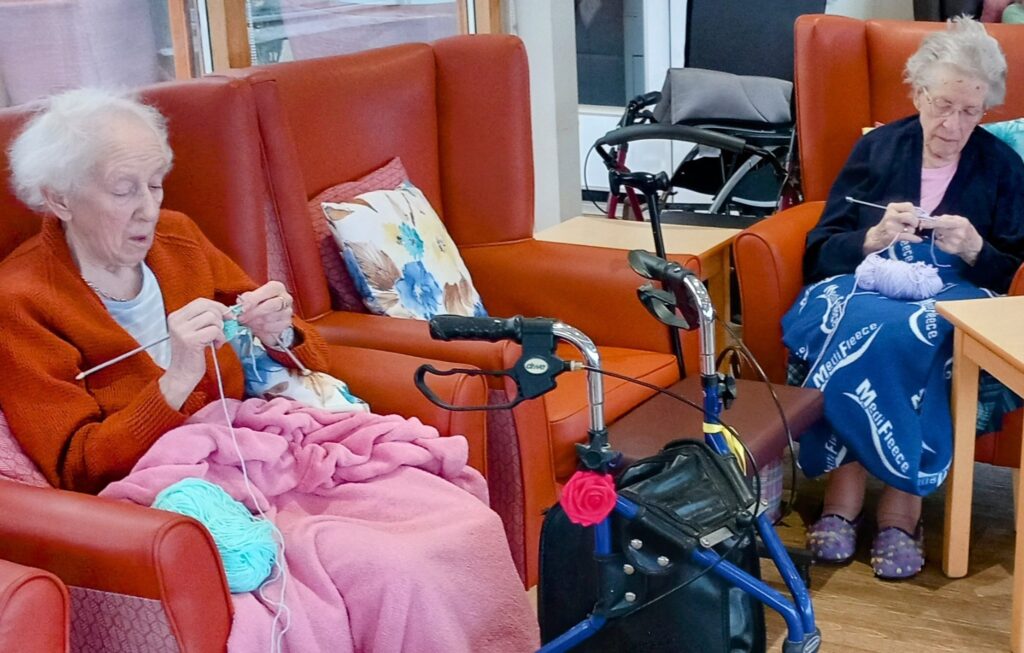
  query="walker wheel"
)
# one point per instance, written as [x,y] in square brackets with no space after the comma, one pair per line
[811,644]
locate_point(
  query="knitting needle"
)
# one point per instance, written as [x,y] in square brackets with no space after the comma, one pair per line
[921,215]
[852,200]
[302,368]
[118,359]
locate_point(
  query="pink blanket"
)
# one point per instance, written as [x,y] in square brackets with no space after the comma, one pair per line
[389,543]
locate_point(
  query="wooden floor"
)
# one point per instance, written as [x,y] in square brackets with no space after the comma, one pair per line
[858,613]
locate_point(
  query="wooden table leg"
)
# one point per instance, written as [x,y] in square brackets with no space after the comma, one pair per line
[1017,611]
[960,485]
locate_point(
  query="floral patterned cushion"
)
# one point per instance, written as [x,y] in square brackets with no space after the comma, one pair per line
[400,256]
[1010,131]
[344,294]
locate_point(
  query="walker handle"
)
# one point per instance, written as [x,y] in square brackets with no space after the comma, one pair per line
[458,327]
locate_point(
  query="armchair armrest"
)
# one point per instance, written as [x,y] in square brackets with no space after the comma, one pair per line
[111,546]
[409,337]
[385,380]
[769,266]
[590,288]
[1017,285]
[26,594]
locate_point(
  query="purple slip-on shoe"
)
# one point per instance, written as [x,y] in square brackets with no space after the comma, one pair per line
[833,538]
[896,554]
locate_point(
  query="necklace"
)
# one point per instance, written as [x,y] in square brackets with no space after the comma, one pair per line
[103,294]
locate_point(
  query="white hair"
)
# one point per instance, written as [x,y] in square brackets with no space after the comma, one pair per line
[966,46]
[63,141]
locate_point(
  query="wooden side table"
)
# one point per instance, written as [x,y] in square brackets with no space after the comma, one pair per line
[988,336]
[709,244]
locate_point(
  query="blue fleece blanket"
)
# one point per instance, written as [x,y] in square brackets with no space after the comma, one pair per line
[884,366]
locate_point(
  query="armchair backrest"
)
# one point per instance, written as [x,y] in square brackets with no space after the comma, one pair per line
[217,178]
[849,75]
[457,112]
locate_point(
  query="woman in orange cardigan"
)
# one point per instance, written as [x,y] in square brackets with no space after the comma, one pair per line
[106,268]
[110,270]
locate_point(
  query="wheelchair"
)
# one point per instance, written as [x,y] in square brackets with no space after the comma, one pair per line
[689,505]
[743,156]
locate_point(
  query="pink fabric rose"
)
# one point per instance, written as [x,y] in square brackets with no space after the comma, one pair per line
[588,497]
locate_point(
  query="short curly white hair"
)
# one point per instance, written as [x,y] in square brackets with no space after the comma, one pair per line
[62,142]
[966,46]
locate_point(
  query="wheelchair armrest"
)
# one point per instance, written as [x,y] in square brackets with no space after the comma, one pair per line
[121,548]
[684,133]
[769,267]
[659,132]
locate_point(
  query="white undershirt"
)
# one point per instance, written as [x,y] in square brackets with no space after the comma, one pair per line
[144,317]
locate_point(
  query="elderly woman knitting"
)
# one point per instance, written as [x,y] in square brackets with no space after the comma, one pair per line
[368,534]
[947,222]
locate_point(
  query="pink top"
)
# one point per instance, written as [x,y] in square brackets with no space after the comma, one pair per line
[934,182]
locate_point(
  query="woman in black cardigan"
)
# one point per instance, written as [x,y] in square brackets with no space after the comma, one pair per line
[957,191]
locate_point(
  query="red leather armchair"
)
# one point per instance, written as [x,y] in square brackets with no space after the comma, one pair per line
[160,568]
[457,112]
[848,76]
[33,610]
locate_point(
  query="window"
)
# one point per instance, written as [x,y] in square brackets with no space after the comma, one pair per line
[49,46]
[609,51]
[282,30]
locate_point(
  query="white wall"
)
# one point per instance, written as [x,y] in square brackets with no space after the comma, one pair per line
[548,28]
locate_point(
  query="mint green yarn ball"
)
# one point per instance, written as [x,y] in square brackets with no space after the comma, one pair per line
[245,543]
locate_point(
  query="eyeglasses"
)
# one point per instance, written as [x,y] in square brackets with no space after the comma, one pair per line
[943,108]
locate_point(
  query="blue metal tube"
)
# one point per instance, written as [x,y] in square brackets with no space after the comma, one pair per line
[626,508]
[578,633]
[787,570]
[712,412]
[603,537]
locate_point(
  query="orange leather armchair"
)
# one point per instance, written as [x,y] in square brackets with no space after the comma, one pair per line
[160,568]
[457,112]
[848,76]
[33,610]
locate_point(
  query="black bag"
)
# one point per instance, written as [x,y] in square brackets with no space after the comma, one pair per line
[686,492]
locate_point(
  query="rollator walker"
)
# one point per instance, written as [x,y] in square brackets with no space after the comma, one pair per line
[694,506]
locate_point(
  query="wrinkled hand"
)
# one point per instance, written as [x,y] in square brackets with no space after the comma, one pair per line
[267,311]
[900,222]
[192,328]
[956,235]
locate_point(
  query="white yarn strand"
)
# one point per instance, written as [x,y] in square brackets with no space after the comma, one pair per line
[282,614]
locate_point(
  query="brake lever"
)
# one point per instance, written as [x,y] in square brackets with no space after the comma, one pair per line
[662,305]
[419,378]
[534,373]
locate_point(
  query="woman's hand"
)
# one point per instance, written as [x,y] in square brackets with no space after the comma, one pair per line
[900,222]
[956,235]
[192,328]
[267,311]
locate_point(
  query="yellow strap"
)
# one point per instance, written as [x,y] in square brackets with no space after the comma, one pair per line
[731,441]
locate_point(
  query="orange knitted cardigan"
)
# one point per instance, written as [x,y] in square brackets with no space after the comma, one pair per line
[86,434]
